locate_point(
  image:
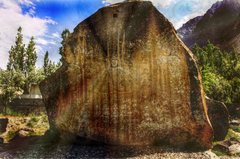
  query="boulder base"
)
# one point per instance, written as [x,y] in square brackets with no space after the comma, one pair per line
[219,118]
[128,80]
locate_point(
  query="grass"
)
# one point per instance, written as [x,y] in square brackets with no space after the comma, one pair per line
[10,135]
[9,112]
[44,117]
[218,153]
[33,121]
[235,128]
[231,134]
[34,133]
[215,143]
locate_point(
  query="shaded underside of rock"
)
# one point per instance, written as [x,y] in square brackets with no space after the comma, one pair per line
[219,118]
[128,80]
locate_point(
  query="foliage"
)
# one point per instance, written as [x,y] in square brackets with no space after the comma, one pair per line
[232,134]
[48,66]
[11,135]
[220,72]
[12,83]
[21,70]
[64,36]
[33,121]
[218,153]
[44,117]
[235,128]
[31,55]
[9,112]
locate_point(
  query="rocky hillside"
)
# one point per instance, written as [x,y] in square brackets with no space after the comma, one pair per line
[220,24]
[188,28]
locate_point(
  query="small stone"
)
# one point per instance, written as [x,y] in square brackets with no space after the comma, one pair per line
[234,123]
[23,133]
[234,149]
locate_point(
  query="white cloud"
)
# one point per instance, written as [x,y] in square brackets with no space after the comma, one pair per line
[56,35]
[186,18]
[41,41]
[161,2]
[12,18]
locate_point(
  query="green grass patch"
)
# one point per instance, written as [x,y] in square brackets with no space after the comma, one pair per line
[44,117]
[231,134]
[9,112]
[33,121]
[218,153]
[215,143]
[235,128]
[10,135]
[34,133]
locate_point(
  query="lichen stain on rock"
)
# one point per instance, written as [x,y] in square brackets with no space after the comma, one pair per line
[130,81]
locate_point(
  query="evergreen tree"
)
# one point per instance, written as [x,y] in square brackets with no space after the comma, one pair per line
[31,55]
[64,36]
[19,51]
[10,59]
[46,64]
[21,58]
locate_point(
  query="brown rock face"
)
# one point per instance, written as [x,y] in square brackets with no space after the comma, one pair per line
[128,80]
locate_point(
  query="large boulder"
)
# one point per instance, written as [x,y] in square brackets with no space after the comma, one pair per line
[219,118]
[127,79]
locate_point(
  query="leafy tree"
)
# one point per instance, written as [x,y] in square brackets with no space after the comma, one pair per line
[64,36]
[220,73]
[12,83]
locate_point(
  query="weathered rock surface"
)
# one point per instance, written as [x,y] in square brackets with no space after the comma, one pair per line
[229,146]
[3,124]
[128,80]
[219,118]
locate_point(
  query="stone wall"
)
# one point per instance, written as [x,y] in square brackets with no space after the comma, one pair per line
[25,106]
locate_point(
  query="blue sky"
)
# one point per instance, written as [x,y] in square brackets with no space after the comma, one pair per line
[46,19]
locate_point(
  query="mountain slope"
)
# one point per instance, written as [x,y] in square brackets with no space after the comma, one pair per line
[220,24]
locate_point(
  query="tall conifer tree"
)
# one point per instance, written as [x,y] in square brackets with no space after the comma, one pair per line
[31,55]
[64,36]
